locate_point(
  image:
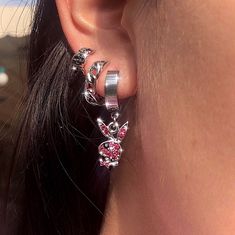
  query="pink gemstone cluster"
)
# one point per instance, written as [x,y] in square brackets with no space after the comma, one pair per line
[110,150]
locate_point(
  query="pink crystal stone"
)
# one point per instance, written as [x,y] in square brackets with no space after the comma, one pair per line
[104,129]
[122,132]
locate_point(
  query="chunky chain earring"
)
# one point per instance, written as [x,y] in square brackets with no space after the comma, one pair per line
[110,150]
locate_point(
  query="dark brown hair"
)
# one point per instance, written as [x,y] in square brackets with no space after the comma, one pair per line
[56,185]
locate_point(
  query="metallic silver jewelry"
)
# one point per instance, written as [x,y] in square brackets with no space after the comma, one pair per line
[90,83]
[111,150]
[111,81]
[78,65]
[79,59]
[95,70]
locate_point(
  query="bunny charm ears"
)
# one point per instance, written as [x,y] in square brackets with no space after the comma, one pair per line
[110,150]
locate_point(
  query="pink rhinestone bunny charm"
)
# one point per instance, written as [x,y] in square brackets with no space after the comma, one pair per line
[111,150]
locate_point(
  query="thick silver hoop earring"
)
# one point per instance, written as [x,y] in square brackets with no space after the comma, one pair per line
[110,150]
[111,82]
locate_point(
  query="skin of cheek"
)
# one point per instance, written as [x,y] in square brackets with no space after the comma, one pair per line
[187,112]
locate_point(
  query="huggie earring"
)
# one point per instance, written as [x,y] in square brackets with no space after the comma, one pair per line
[111,150]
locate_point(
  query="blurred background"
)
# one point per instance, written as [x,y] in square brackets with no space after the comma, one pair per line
[15,21]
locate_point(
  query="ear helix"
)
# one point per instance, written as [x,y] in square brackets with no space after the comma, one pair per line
[110,151]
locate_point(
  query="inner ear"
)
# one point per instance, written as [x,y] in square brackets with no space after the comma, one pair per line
[96,24]
[97,15]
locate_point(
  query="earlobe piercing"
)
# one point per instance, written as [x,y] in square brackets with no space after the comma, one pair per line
[110,151]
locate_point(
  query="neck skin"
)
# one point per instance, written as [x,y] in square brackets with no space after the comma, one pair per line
[177,173]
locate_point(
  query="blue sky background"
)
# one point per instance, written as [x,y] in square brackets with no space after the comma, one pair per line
[13,2]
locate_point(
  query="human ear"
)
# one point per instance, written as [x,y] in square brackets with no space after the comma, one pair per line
[96,24]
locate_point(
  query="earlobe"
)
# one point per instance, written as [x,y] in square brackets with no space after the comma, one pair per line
[97,25]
